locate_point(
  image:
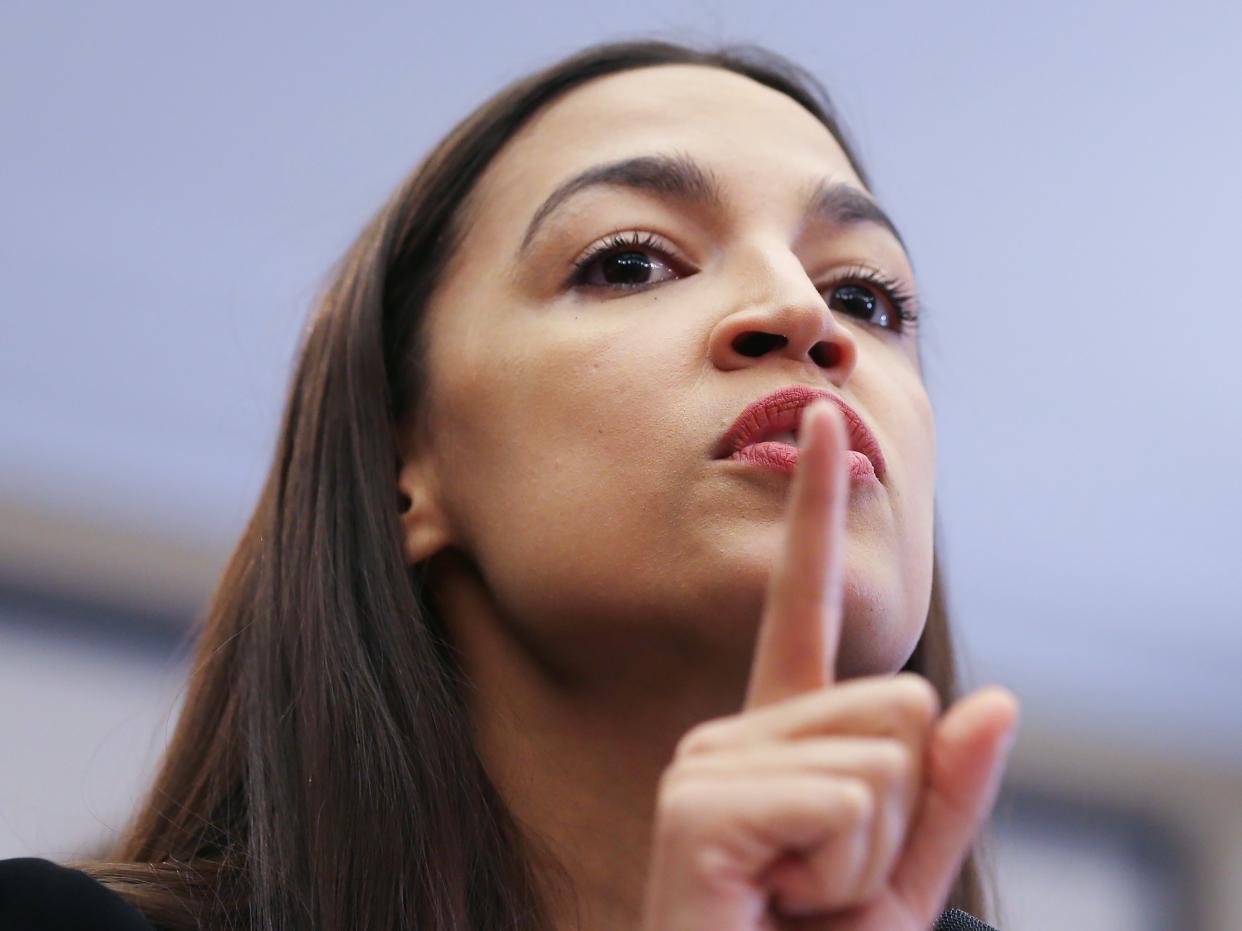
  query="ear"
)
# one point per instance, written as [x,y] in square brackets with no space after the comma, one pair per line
[424,526]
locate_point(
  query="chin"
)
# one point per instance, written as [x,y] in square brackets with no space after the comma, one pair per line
[876,643]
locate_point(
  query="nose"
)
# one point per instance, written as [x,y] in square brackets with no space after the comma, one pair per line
[781,314]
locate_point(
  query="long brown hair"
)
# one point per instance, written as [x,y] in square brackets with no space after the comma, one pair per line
[322,773]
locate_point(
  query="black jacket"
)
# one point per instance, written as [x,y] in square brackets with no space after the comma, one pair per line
[38,895]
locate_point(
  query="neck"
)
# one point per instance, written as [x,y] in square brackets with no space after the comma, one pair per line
[579,764]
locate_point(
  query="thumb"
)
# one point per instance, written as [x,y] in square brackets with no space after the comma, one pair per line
[966,756]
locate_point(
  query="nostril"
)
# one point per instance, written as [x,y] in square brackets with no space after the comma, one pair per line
[756,344]
[827,355]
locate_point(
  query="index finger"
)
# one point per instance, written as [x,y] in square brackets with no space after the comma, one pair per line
[800,631]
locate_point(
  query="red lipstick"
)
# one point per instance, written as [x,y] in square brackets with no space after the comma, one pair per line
[781,411]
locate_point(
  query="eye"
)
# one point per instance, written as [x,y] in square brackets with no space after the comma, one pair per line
[859,301]
[873,298]
[623,261]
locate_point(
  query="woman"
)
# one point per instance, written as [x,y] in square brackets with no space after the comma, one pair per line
[600,522]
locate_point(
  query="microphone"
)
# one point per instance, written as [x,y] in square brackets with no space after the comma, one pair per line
[954,919]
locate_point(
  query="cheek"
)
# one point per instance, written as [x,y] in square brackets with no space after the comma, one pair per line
[562,462]
[902,410]
[918,492]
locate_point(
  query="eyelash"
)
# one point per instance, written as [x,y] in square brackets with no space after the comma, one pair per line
[898,298]
[616,243]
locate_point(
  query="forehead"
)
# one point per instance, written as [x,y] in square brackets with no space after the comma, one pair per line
[747,132]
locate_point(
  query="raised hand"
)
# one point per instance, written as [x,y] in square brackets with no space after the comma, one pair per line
[822,806]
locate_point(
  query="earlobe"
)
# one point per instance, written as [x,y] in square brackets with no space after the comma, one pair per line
[424,530]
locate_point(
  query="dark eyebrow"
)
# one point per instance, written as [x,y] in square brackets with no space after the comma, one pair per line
[679,177]
[843,204]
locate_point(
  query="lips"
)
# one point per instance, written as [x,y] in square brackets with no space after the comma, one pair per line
[782,410]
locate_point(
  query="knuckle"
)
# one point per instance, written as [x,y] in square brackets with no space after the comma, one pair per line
[917,701]
[856,801]
[702,738]
[707,862]
[893,761]
[688,806]
[682,805]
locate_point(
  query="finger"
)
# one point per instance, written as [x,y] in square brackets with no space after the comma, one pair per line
[750,826]
[890,768]
[877,759]
[965,761]
[796,648]
[901,706]
[826,878]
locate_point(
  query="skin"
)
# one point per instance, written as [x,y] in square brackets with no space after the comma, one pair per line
[822,806]
[600,573]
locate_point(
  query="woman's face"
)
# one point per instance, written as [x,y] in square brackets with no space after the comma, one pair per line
[575,421]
